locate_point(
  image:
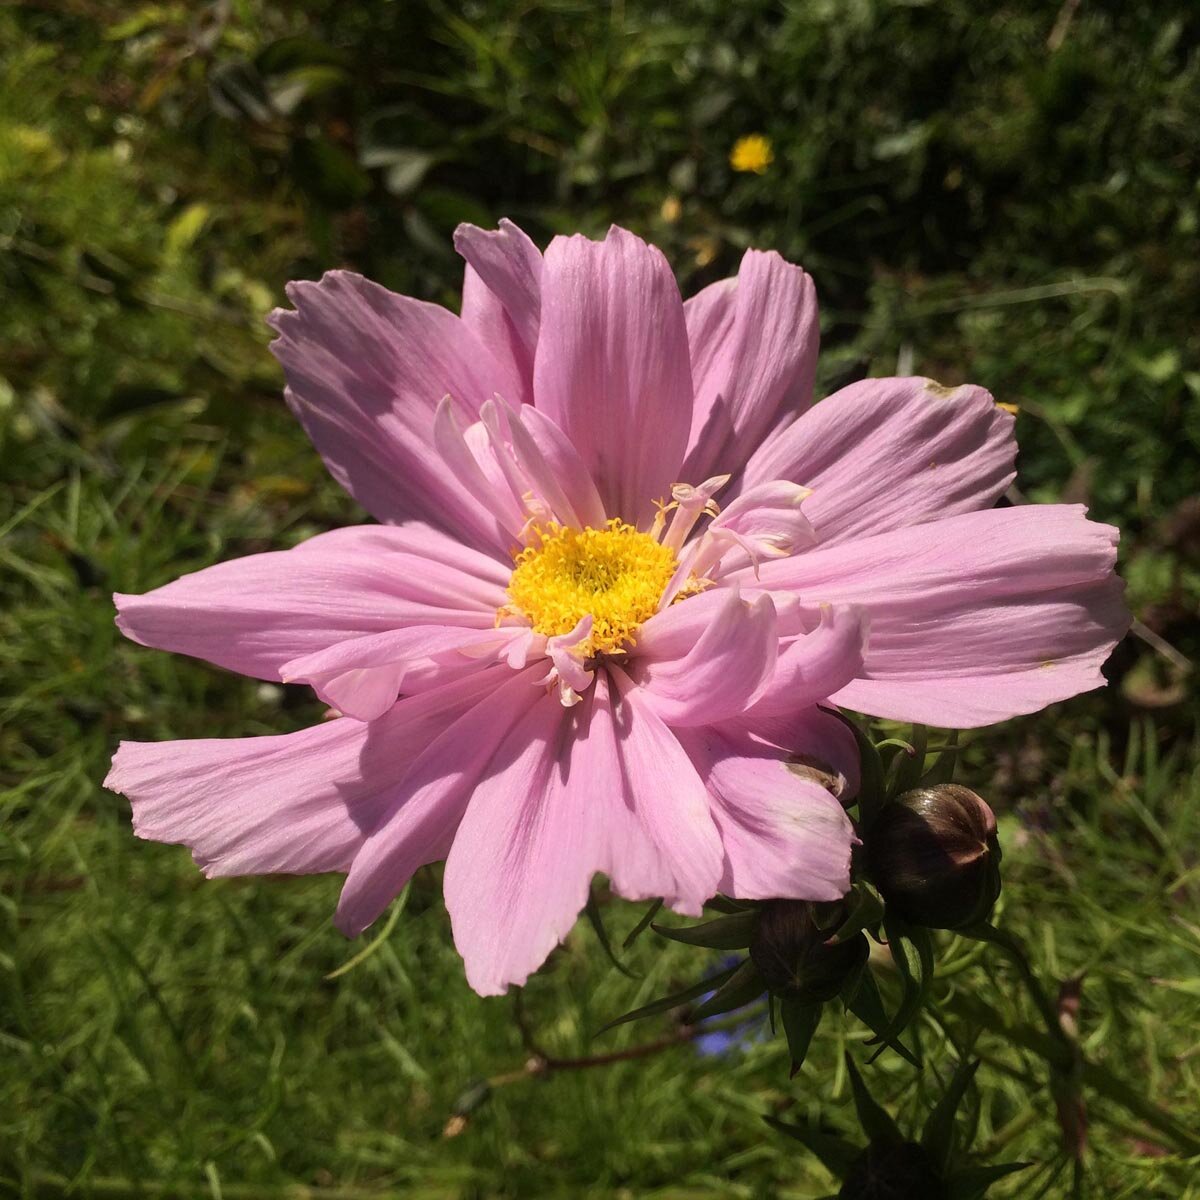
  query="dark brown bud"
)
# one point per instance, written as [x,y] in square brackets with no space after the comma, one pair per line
[934,856]
[899,1171]
[795,955]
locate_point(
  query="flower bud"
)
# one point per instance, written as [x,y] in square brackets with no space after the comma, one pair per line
[795,955]
[934,856]
[893,1171]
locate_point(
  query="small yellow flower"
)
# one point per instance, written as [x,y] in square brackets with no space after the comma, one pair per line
[752,153]
[671,209]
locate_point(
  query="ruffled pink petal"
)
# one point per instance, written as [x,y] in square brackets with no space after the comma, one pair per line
[783,835]
[612,366]
[295,803]
[366,369]
[362,677]
[886,453]
[502,295]
[973,619]
[553,468]
[573,676]
[572,792]
[719,675]
[754,344]
[254,614]
[430,796]
[469,455]
[764,522]
[813,666]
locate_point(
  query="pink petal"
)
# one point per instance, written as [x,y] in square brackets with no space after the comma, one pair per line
[973,619]
[430,796]
[502,295]
[573,676]
[366,369]
[362,676]
[721,673]
[572,792]
[754,345]
[669,848]
[295,803]
[470,457]
[783,835]
[816,736]
[256,613]
[518,872]
[612,366]
[815,665]
[887,453]
[765,521]
[554,468]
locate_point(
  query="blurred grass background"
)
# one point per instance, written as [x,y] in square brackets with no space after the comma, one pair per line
[1006,193]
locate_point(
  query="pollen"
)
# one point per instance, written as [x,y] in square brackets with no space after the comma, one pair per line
[617,575]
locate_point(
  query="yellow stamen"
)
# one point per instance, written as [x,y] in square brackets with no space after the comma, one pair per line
[617,574]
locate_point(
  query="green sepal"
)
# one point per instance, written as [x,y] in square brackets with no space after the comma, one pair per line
[825,914]
[972,1183]
[592,909]
[937,1137]
[875,1120]
[666,1003]
[853,982]
[942,770]
[916,982]
[908,765]
[836,1154]
[744,985]
[800,1022]
[864,910]
[867,1005]
[642,925]
[729,906]
[725,933]
[870,783]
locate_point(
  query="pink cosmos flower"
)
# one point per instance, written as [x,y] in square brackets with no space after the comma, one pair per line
[623,557]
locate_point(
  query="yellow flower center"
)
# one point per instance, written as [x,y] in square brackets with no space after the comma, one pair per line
[752,153]
[616,574]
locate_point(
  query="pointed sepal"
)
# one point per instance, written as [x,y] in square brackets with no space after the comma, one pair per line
[674,1000]
[870,783]
[725,933]
[937,1137]
[836,1154]
[876,1121]
[866,1004]
[800,1022]
[592,909]
[908,764]
[743,985]
[972,1183]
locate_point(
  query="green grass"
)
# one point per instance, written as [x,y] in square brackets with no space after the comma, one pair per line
[971,202]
